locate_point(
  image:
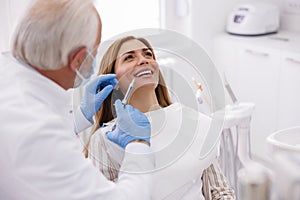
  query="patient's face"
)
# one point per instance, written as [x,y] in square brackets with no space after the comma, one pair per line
[135,61]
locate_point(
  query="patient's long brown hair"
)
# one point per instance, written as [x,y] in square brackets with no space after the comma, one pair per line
[107,66]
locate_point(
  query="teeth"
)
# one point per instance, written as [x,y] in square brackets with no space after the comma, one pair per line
[143,73]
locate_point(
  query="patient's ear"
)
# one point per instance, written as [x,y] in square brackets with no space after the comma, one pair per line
[78,57]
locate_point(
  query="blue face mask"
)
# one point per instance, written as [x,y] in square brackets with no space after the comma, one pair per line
[85,80]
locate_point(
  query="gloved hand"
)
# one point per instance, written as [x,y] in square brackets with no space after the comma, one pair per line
[92,100]
[131,125]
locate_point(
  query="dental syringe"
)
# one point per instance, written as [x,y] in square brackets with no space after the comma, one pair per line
[128,92]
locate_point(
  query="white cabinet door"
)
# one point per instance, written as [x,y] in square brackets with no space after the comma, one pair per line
[289,101]
[258,82]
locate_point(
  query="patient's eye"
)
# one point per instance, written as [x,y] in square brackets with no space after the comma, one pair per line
[148,54]
[129,57]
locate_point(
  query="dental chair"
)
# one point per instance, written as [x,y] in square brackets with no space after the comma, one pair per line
[235,151]
[235,148]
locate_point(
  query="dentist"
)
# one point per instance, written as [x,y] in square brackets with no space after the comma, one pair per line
[53,50]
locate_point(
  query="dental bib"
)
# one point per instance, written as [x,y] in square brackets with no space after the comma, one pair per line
[177,136]
[178,133]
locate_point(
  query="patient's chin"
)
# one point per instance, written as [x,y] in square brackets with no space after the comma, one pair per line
[145,82]
[146,85]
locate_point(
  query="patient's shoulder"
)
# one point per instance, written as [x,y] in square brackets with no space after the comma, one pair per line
[104,128]
[98,138]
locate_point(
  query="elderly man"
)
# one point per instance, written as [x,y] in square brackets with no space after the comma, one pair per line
[52,51]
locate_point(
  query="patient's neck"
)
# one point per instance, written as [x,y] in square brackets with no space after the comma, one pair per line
[145,100]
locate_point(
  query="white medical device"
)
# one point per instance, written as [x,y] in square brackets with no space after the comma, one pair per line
[253,19]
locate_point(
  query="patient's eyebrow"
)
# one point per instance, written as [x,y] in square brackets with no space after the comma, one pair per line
[132,51]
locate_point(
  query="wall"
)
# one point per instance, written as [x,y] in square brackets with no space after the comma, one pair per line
[10,11]
[289,21]
[209,18]
[202,21]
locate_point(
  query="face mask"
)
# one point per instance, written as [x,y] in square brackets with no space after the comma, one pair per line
[80,80]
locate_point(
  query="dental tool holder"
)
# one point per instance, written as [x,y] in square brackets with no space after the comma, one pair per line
[236,154]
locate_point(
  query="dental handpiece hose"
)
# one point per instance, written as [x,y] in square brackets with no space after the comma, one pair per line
[128,92]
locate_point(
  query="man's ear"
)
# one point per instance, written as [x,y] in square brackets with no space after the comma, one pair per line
[78,57]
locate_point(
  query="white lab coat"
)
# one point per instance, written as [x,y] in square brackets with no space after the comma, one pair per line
[40,156]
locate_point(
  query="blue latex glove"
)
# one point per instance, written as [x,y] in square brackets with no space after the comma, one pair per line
[92,100]
[131,125]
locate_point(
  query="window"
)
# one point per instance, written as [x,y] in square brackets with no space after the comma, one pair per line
[119,16]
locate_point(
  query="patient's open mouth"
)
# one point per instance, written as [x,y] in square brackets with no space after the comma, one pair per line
[142,73]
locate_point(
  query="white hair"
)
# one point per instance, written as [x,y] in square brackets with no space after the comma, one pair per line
[52,29]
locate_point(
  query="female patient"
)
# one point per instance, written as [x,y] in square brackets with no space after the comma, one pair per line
[183,177]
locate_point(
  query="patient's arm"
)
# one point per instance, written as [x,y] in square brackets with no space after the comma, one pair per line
[98,153]
[215,185]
